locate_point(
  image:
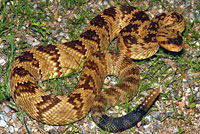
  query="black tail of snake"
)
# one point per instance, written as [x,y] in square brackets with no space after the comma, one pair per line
[138,38]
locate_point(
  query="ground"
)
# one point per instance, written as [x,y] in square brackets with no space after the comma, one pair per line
[30,23]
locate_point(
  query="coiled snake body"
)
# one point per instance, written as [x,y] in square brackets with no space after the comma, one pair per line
[138,38]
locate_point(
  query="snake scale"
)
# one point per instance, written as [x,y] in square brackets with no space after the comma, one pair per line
[138,38]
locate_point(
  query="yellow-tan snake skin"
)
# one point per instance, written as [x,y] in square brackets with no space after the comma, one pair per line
[138,38]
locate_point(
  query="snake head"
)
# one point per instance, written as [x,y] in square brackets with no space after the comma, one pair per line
[170,39]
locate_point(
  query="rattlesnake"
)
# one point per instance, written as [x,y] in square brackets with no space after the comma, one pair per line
[138,38]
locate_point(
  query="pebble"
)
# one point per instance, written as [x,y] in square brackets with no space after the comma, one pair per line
[35,6]
[17,39]
[197,14]
[14,116]
[24,27]
[1,116]
[61,34]
[59,19]
[192,18]
[6,118]
[92,125]
[188,3]
[83,129]
[198,95]
[6,109]
[168,113]
[197,43]
[62,128]
[156,115]
[11,129]
[148,118]
[175,130]
[155,125]
[47,127]
[1,46]
[3,59]
[52,131]
[16,129]
[29,128]
[32,41]
[2,123]
[146,126]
